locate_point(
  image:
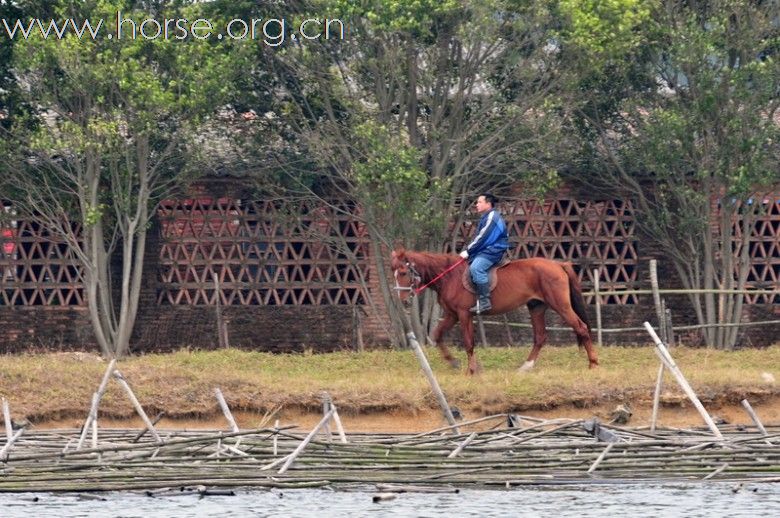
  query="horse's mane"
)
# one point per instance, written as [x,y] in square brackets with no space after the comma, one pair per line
[430,264]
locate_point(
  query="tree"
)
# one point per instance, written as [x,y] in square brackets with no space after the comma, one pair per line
[694,149]
[106,142]
[435,100]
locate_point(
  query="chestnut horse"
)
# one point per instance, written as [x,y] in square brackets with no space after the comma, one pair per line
[538,283]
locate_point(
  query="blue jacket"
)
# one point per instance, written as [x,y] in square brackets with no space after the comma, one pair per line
[491,235]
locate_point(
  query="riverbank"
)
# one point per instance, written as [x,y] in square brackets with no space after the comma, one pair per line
[385,390]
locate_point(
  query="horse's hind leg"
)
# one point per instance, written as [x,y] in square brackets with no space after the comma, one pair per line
[583,334]
[445,325]
[467,330]
[536,309]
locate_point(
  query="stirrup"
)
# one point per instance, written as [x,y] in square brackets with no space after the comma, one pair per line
[480,308]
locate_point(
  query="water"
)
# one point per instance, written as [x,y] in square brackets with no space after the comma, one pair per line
[634,500]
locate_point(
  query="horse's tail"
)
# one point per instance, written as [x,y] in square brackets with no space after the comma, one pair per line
[575,294]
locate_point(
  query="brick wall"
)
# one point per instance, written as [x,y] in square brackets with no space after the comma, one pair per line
[26,328]
[324,327]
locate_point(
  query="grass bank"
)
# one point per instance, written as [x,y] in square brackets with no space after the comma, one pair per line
[59,385]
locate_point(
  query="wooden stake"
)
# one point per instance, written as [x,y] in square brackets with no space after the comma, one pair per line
[598,306]
[669,326]
[508,330]
[667,359]
[221,331]
[445,408]
[481,326]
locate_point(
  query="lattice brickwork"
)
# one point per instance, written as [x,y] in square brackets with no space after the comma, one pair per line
[263,253]
[764,250]
[591,234]
[36,269]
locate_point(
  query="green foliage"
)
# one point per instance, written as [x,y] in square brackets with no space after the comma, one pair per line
[407,16]
[111,99]
[607,28]
[392,183]
[715,126]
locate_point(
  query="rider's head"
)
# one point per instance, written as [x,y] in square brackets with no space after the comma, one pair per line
[486,201]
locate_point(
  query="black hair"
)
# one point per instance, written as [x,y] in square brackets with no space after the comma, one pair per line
[490,198]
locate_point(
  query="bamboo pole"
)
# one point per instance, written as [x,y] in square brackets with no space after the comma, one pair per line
[717,472]
[659,382]
[658,303]
[659,312]
[143,432]
[276,438]
[754,416]
[327,404]
[294,455]
[462,445]
[10,442]
[138,408]
[600,458]
[226,410]
[598,306]
[667,359]
[445,408]
[608,330]
[93,409]
[9,433]
[95,433]
[337,421]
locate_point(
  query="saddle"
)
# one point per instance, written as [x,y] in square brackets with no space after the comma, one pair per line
[492,276]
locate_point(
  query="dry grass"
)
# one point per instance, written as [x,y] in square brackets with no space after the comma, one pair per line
[56,385]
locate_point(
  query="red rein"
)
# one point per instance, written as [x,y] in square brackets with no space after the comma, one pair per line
[417,291]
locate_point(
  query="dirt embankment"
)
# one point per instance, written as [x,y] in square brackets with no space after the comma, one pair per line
[384,390]
[678,415]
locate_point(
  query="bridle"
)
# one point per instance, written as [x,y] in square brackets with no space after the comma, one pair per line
[414,276]
[414,287]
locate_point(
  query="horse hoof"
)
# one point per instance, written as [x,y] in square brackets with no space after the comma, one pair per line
[527,366]
[455,364]
[593,365]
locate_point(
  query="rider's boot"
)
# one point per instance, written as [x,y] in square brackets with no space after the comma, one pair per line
[483,301]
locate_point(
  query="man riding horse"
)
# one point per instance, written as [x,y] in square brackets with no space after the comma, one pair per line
[486,249]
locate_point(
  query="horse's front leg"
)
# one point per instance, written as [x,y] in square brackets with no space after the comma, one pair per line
[540,334]
[445,325]
[467,328]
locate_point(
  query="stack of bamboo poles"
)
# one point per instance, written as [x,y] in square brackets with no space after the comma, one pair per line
[534,451]
[499,450]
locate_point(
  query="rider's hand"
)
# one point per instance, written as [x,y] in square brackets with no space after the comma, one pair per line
[464,254]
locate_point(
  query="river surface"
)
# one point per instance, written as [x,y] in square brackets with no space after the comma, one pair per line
[614,501]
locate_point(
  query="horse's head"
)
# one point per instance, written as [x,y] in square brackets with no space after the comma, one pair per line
[406,277]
